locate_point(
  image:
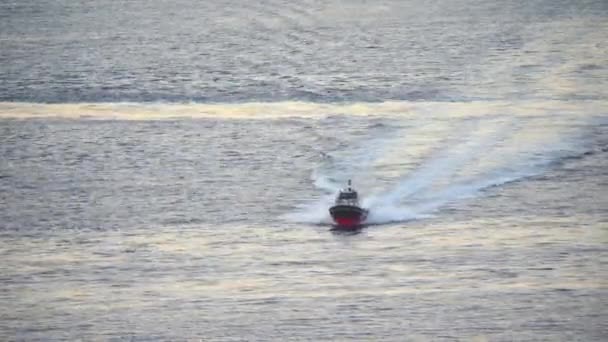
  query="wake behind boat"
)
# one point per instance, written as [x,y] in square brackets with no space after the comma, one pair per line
[346,211]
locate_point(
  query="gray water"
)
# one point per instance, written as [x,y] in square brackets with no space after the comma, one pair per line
[166,169]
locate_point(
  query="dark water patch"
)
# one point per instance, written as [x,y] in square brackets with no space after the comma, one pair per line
[182,221]
[566,160]
[339,231]
[590,67]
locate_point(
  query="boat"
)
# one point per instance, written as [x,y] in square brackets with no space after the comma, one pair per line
[346,211]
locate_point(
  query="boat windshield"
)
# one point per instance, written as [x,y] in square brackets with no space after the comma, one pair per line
[350,195]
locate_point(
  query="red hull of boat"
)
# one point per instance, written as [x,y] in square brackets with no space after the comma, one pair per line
[348,217]
[347,222]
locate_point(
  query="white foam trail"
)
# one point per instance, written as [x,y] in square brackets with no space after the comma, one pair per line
[390,213]
[424,206]
[449,162]
[422,201]
[313,213]
[462,161]
[386,206]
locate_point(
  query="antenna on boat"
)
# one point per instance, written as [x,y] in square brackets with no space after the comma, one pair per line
[349,189]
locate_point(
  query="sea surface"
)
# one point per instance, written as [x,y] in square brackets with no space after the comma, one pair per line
[166,169]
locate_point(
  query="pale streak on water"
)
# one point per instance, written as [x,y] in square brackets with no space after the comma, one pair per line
[167,166]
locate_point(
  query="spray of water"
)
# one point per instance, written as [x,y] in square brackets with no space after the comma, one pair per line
[474,156]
